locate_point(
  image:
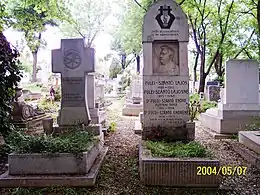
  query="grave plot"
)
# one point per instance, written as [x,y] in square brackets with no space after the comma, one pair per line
[165,102]
[73,153]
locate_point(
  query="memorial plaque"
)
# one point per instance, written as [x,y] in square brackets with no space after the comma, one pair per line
[166,101]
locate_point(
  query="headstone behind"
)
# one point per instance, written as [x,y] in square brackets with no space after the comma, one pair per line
[213,93]
[165,73]
[73,61]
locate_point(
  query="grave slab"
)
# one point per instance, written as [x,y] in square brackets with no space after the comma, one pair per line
[87,180]
[250,139]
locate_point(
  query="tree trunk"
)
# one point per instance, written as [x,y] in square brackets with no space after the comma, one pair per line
[195,67]
[202,82]
[34,75]
[203,75]
[195,70]
[258,22]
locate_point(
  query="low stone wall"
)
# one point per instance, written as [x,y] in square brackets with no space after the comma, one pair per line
[175,172]
[53,164]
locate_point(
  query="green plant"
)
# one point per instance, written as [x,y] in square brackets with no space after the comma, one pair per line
[108,88]
[73,141]
[177,149]
[112,127]
[254,124]
[194,106]
[10,75]
[46,105]
[205,105]
[57,94]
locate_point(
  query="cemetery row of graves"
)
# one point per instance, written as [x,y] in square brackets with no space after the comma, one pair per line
[74,134]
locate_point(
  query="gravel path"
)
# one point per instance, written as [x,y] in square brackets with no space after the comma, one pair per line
[119,172]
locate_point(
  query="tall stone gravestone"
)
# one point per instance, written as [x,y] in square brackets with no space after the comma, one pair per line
[97,116]
[73,61]
[165,72]
[239,99]
[137,90]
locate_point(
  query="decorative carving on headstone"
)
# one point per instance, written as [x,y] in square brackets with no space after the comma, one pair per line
[72,59]
[165,18]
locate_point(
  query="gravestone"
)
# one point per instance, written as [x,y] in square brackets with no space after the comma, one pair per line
[137,91]
[133,103]
[97,116]
[213,93]
[239,99]
[73,61]
[100,93]
[165,73]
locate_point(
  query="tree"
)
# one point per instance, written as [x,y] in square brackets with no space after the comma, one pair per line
[87,19]
[114,69]
[219,30]
[32,17]
[10,76]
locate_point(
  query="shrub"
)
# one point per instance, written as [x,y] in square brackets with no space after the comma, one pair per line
[10,75]
[46,105]
[205,105]
[57,94]
[254,125]
[70,142]
[112,127]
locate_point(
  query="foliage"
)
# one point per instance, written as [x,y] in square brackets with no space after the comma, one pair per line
[220,31]
[196,107]
[46,105]
[87,22]
[254,124]
[205,105]
[177,149]
[57,94]
[108,88]
[125,81]
[70,142]
[10,75]
[112,127]
[4,17]
[31,17]
[115,69]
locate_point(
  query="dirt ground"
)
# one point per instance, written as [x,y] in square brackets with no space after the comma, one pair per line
[119,172]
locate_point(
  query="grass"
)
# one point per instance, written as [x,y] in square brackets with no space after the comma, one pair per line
[177,149]
[33,87]
[70,142]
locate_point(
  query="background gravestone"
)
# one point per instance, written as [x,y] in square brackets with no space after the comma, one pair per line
[165,72]
[73,61]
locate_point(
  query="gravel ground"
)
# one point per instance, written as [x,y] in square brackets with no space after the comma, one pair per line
[119,172]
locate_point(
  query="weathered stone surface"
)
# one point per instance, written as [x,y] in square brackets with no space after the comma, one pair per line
[73,61]
[86,180]
[250,139]
[165,70]
[175,172]
[239,99]
[53,164]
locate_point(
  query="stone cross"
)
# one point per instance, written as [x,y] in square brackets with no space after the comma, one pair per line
[73,61]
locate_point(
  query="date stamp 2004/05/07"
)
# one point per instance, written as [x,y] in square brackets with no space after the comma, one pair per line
[221,170]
